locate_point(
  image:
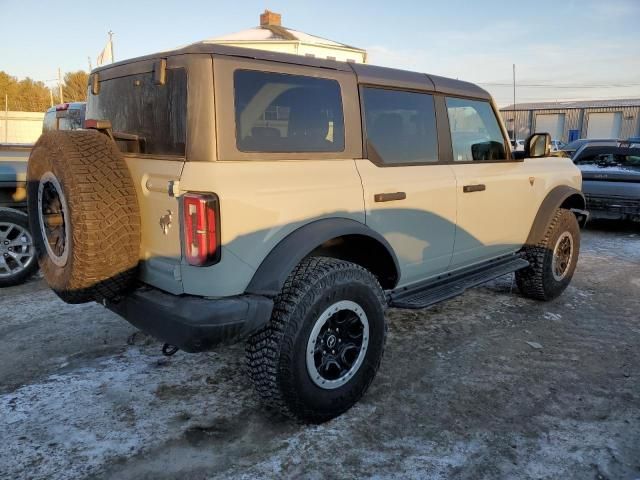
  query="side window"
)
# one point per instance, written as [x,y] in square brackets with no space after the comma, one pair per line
[475,132]
[287,113]
[401,126]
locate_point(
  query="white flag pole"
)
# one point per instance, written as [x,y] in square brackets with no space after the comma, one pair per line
[111,43]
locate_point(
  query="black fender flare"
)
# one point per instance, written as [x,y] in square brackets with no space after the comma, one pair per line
[270,276]
[562,195]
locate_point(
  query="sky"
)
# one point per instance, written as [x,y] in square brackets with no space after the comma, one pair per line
[562,49]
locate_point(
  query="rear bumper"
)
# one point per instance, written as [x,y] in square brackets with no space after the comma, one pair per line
[194,324]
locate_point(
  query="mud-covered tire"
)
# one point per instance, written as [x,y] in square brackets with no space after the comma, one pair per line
[538,281]
[277,355]
[18,261]
[96,253]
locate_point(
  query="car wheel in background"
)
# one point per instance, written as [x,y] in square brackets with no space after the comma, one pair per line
[17,253]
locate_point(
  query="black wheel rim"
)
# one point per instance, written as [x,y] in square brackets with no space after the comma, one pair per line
[337,344]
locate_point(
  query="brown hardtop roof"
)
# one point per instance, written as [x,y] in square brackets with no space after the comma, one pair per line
[366,74]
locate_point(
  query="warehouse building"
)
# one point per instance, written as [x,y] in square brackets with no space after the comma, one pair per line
[568,121]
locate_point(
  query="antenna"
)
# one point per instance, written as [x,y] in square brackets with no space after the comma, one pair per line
[514,102]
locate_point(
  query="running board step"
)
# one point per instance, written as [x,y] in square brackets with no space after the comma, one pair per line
[444,288]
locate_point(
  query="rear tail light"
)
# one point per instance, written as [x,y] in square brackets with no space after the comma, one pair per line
[201,228]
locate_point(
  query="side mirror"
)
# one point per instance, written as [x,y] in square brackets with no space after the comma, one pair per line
[537,145]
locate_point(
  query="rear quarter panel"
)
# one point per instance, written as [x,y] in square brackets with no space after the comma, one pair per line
[261,202]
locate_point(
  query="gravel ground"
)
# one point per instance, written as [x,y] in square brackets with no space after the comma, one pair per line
[460,392]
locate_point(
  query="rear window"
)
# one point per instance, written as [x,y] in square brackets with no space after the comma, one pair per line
[287,113]
[152,117]
[70,119]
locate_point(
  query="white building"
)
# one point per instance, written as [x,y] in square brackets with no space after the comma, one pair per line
[20,127]
[271,35]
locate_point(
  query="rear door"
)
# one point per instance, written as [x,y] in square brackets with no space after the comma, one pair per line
[409,196]
[495,195]
[148,113]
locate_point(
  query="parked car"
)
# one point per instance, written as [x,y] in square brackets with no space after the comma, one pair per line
[289,204]
[571,148]
[634,141]
[66,116]
[17,252]
[611,180]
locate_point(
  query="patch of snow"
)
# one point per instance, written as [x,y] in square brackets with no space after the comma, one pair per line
[552,316]
[92,415]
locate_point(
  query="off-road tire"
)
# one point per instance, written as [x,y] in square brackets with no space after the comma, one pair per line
[276,355]
[537,280]
[16,217]
[104,217]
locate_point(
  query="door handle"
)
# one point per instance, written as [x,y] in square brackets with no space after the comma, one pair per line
[389,197]
[481,187]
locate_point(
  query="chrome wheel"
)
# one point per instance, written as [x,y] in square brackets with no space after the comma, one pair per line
[337,344]
[16,249]
[53,215]
[562,256]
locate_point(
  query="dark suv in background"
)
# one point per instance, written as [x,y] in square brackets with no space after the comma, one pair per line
[610,180]
[571,148]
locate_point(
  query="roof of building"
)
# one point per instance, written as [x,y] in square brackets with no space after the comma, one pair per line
[269,33]
[629,102]
[270,30]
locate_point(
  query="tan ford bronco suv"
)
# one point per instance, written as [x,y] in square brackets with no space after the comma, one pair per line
[220,194]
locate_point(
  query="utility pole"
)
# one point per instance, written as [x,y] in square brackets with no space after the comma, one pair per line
[60,85]
[113,57]
[90,66]
[6,118]
[51,96]
[514,102]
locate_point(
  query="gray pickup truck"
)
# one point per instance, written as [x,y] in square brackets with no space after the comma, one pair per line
[17,253]
[17,258]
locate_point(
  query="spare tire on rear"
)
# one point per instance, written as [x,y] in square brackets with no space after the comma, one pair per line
[84,215]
